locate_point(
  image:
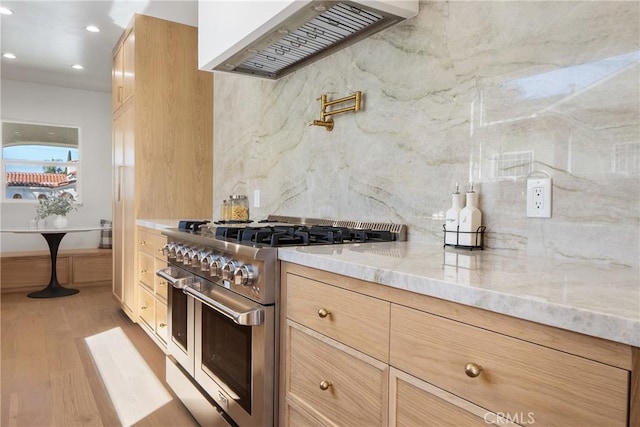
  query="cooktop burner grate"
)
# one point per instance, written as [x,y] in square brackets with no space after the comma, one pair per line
[300,235]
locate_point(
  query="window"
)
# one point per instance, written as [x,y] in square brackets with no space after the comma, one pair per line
[38,159]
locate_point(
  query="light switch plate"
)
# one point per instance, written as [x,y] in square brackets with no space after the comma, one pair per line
[539,198]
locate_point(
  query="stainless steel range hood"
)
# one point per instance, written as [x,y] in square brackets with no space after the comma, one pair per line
[298,33]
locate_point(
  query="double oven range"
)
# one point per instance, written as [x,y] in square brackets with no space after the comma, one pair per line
[223,310]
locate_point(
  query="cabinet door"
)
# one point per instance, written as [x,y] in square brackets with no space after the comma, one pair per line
[117,79]
[123,72]
[412,402]
[118,206]
[128,66]
[123,214]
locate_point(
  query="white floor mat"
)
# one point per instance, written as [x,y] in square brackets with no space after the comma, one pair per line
[134,390]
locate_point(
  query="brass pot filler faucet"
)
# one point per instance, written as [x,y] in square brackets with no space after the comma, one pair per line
[325,116]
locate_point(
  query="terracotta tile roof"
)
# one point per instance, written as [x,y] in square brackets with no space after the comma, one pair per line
[36,179]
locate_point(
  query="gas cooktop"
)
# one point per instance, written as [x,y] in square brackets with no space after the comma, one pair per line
[279,231]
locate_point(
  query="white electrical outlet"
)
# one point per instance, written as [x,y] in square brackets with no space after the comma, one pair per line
[539,198]
[256,198]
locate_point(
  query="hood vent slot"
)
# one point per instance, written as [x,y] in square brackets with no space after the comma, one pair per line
[330,30]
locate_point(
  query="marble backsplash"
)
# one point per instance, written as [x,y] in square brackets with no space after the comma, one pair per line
[488,92]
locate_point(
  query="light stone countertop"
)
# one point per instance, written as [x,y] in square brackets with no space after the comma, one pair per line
[158,224]
[597,300]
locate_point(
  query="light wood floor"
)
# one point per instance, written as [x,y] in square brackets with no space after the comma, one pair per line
[48,377]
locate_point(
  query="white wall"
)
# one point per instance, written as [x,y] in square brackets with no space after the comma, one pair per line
[91,112]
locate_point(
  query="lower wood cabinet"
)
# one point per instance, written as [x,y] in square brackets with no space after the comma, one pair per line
[338,384]
[440,363]
[413,402]
[152,290]
[506,374]
[29,271]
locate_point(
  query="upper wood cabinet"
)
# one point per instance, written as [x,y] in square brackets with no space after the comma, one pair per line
[122,76]
[162,138]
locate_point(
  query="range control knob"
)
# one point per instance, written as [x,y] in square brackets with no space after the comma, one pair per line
[243,276]
[228,269]
[216,266]
[190,256]
[196,261]
[186,257]
[170,250]
[180,252]
[206,260]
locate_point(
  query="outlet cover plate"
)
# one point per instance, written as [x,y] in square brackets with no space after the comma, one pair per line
[539,198]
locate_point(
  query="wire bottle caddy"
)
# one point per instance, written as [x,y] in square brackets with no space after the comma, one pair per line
[464,239]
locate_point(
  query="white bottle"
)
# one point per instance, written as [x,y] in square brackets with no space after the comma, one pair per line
[451,219]
[470,220]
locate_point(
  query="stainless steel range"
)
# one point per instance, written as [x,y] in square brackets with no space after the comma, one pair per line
[223,310]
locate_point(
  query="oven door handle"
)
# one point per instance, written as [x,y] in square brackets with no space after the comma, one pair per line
[251,317]
[176,282]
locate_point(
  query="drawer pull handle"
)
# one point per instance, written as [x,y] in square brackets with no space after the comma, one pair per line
[324,385]
[162,283]
[144,307]
[162,325]
[143,243]
[472,370]
[323,312]
[143,271]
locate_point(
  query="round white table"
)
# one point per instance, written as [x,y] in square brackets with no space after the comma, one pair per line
[53,236]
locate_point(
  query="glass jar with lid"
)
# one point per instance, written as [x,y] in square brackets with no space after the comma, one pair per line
[238,208]
[224,211]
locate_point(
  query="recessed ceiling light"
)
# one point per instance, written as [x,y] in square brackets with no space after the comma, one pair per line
[92,29]
[319,8]
[5,11]
[77,67]
[9,55]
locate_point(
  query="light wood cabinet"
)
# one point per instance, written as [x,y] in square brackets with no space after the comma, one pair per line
[412,402]
[123,71]
[162,140]
[447,364]
[516,377]
[336,364]
[31,271]
[123,209]
[152,289]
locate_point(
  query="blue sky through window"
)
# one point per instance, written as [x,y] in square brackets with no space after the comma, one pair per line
[37,153]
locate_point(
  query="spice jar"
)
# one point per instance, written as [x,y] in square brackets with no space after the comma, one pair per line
[224,211]
[238,208]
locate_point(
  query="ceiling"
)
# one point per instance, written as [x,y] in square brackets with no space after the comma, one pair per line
[47,37]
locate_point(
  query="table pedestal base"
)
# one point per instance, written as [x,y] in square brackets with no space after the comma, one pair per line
[53,292]
[53,289]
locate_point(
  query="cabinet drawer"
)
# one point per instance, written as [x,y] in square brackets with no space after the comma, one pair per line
[296,417]
[359,321]
[147,307]
[357,384]
[160,284]
[161,321]
[516,377]
[146,273]
[151,243]
[413,401]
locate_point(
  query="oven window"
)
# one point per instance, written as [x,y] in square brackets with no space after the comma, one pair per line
[226,352]
[179,318]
